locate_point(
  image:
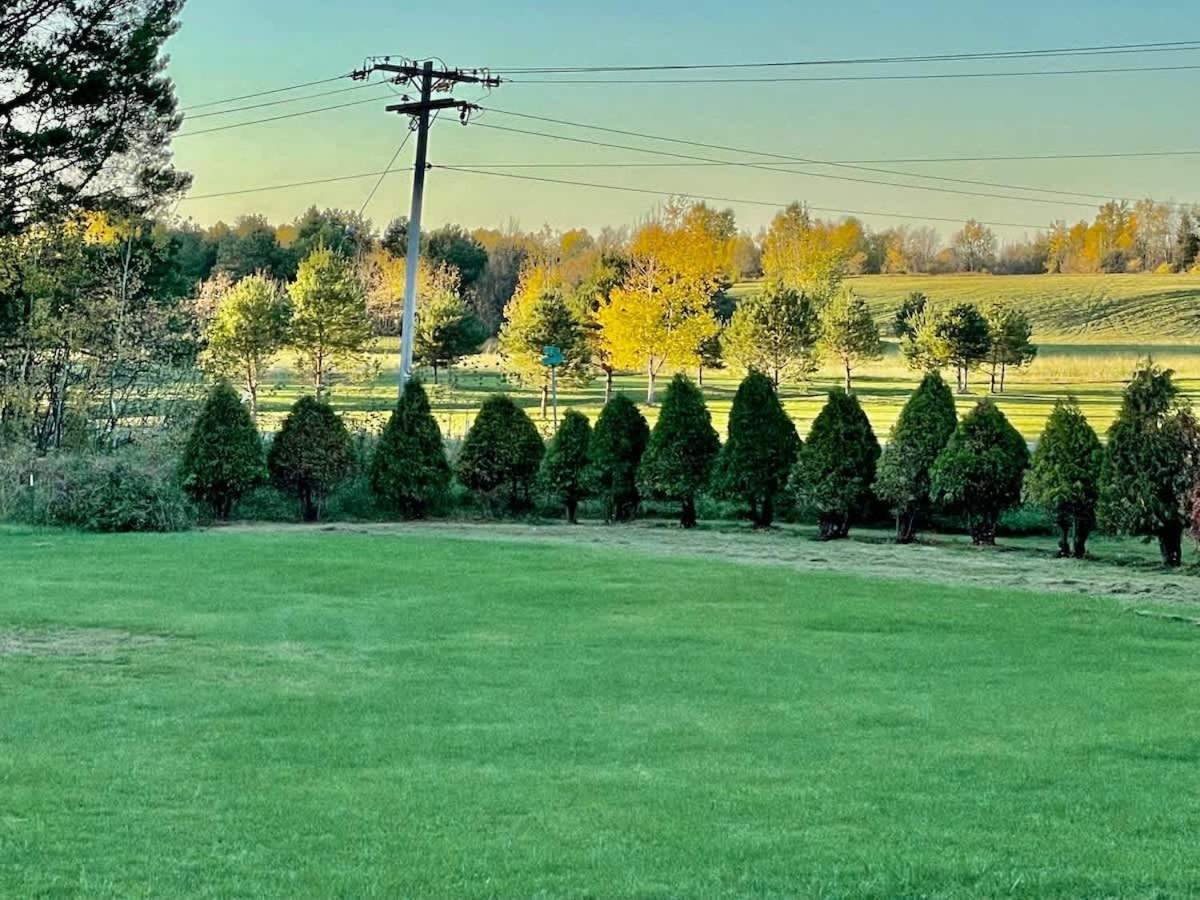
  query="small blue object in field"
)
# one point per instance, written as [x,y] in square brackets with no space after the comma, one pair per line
[552,356]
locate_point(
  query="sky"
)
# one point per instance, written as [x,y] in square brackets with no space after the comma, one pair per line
[231,47]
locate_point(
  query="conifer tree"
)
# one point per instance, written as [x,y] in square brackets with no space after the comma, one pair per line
[223,457]
[682,448]
[564,472]
[1065,476]
[409,471]
[615,452]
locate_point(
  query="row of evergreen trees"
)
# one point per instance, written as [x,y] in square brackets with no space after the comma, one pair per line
[1145,481]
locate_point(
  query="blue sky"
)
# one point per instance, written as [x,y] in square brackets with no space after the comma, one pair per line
[226,48]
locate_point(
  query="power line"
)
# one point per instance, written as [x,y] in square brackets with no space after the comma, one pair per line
[295,184]
[797,159]
[715,199]
[237,109]
[303,112]
[290,87]
[777,169]
[1100,50]
[384,174]
[795,79]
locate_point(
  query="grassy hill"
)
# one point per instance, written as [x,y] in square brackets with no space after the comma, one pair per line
[1116,309]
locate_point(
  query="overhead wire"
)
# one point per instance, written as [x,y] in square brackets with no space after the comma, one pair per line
[267,93]
[267,103]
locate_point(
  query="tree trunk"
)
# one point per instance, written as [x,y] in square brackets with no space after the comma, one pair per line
[992,385]
[1083,530]
[435,373]
[1003,373]
[252,388]
[545,398]
[308,505]
[700,375]
[608,385]
[906,527]
[834,528]
[1064,539]
[687,515]
[766,512]
[966,378]
[572,509]
[650,384]
[775,379]
[983,532]
[847,364]
[1170,544]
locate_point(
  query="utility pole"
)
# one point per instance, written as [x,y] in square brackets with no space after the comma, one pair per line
[428,80]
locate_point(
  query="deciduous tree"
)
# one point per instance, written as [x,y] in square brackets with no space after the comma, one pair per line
[330,326]
[250,327]
[774,331]
[849,332]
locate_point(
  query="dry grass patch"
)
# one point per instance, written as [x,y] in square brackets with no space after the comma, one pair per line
[77,642]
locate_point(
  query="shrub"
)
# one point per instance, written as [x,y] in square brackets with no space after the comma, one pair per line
[500,456]
[1151,463]
[132,489]
[223,457]
[836,466]
[682,449]
[615,452]
[564,468]
[311,455]
[409,471]
[980,472]
[919,435]
[1065,476]
[754,464]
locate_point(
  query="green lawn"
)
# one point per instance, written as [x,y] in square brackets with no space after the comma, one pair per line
[305,713]
[1092,330]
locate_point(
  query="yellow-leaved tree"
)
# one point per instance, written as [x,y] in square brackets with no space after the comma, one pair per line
[808,255]
[662,312]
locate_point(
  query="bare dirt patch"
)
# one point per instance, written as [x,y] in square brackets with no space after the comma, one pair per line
[75,642]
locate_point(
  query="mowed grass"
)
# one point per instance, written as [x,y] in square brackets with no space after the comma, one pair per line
[315,714]
[1092,330]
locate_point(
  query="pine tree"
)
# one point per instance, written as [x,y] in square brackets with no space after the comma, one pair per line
[311,455]
[757,457]
[618,442]
[981,470]
[409,471]
[919,435]
[1065,475]
[1151,464]
[836,466]
[775,332]
[682,448]
[564,472]
[501,454]
[223,457]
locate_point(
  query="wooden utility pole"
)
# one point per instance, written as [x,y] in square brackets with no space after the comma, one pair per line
[428,81]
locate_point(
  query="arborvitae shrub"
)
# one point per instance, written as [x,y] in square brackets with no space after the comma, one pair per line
[980,472]
[564,473]
[1151,464]
[836,467]
[223,457]
[409,471]
[919,435]
[500,456]
[311,455]
[682,449]
[618,442]
[754,464]
[1065,476]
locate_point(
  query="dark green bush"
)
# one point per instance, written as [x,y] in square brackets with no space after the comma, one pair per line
[564,468]
[1065,477]
[836,466]
[682,449]
[409,471]
[758,456]
[618,442]
[920,434]
[311,455]
[1151,464]
[500,456]
[223,457]
[980,472]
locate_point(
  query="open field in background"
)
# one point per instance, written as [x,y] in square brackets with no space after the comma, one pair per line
[1091,331]
[297,712]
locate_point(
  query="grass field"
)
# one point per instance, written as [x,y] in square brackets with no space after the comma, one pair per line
[303,713]
[1091,329]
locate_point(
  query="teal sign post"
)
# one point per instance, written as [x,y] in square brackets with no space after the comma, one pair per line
[552,358]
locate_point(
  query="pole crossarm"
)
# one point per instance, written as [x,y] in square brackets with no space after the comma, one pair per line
[440,76]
